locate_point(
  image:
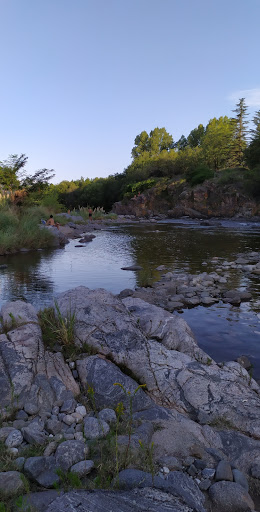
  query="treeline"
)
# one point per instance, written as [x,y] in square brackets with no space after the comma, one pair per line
[222,147]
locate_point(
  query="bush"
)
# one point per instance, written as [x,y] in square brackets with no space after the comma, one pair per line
[22,230]
[230,176]
[199,175]
[252,182]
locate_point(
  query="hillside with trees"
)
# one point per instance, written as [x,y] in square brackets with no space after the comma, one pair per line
[220,160]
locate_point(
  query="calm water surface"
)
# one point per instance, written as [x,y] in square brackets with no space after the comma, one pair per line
[222,330]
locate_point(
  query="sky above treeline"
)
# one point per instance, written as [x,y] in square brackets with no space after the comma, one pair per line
[81,78]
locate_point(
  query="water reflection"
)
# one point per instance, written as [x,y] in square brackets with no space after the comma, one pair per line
[224,331]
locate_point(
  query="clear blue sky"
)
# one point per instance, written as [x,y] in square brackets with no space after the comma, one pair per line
[81,78]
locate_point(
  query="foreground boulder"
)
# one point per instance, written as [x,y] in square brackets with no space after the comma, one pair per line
[136,500]
[192,383]
[28,371]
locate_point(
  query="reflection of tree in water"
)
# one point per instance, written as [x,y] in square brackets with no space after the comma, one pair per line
[185,248]
[24,278]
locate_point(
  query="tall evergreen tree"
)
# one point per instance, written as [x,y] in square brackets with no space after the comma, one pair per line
[240,134]
[252,153]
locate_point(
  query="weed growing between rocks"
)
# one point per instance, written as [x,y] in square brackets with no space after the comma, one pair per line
[6,458]
[58,333]
[57,328]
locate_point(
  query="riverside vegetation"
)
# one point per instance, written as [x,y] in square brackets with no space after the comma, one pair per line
[225,155]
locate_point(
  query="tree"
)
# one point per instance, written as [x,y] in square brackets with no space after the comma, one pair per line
[195,137]
[160,140]
[39,180]
[240,134]
[9,171]
[217,142]
[181,143]
[252,153]
[153,144]
[141,144]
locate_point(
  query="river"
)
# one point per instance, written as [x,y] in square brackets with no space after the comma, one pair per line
[222,330]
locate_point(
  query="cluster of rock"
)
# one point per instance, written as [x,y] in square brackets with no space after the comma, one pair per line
[175,292]
[66,433]
[202,418]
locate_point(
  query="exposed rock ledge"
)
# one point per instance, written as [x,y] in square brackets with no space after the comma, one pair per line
[187,394]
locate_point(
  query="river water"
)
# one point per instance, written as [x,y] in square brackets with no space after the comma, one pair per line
[222,330]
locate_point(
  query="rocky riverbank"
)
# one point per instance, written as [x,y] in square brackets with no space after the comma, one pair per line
[189,441]
[176,198]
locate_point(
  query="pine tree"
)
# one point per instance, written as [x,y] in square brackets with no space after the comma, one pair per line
[252,153]
[240,134]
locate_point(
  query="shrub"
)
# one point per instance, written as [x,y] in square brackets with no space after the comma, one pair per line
[199,175]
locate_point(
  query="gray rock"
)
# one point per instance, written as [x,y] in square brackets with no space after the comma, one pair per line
[132,267]
[21,415]
[19,463]
[224,471]
[14,439]
[81,409]
[152,500]
[69,453]
[200,464]
[205,485]
[42,470]
[243,451]
[171,462]
[69,419]
[53,426]
[18,424]
[107,415]
[230,497]
[240,479]
[245,362]
[178,484]
[255,471]
[34,434]
[208,473]
[95,428]
[102,375]
[143,433]
[50,449]
[5,431]
[25,363]
[34,466]
[11,483]
[184,486]
[39,501]
[68,406]
[31,407]
[160,352]
[18,313]
[82,468]
[48,478]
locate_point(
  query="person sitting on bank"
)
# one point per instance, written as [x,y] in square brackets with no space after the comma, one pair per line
[51,222]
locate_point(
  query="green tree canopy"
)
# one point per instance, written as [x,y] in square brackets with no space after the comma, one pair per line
[10,169]
[153,144]
[195,137]
[217,142]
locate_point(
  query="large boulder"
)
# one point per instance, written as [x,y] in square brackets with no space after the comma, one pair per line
[25,365]
[207,391]
[136,500]
[102,375]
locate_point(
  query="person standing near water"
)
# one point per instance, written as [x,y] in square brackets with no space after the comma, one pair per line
[90,211]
